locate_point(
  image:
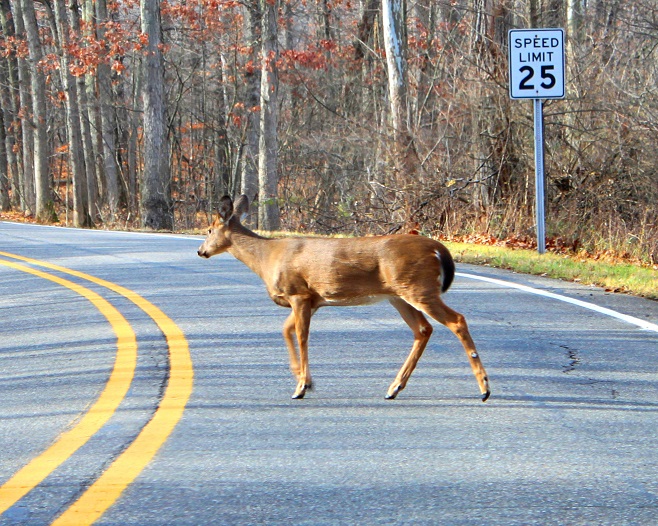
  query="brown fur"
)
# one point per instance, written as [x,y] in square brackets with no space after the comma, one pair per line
[305,274]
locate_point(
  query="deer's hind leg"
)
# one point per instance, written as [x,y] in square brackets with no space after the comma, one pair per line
[422,331]
[457,324]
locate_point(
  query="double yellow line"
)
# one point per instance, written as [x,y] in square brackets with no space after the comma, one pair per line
[123,471]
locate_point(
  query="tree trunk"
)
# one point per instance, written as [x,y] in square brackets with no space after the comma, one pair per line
[395,43]
[129,123]
[491,120]
[81,217]
[86,118]
[156,205]
[223,181]
[608,37]
[5,203]
[535,14]
[425,13]
[249,176]
[268,211]
[324,20]
[555,13]
[108,121]
[43,199]
[10,106]
[575,22]
[369,11]
[25,187]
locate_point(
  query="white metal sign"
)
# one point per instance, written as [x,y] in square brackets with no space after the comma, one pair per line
[536,63]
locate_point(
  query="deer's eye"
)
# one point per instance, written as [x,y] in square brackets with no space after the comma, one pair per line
[210,230]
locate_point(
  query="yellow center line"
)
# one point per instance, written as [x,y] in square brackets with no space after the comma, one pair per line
[123,471]
[115,390]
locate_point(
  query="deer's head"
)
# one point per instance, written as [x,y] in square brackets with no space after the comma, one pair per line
[229,215]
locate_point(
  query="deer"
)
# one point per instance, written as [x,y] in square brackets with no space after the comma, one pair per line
[306,273]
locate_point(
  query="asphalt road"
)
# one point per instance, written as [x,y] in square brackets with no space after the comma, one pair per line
[569,435]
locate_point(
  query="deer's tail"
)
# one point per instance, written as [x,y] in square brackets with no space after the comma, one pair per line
[447,268]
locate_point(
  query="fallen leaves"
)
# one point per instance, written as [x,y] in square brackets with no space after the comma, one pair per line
[17,216]
[556,245]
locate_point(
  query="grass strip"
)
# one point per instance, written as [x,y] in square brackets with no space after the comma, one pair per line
[614,277]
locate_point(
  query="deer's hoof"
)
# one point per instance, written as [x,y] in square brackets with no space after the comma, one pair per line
[392,393]
[486,391]
[301,391]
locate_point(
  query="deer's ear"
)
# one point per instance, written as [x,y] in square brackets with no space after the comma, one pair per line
[241,207]
[225,209]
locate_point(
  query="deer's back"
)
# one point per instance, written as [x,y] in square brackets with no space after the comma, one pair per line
[354,271]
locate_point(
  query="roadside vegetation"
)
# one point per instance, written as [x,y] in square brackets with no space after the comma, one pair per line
[611,272]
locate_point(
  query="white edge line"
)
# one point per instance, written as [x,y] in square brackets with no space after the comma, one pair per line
[602,310]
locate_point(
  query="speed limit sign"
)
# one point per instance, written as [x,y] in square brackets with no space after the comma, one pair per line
[536,71]
[536,63]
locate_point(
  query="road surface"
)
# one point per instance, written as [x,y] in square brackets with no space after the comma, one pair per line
[569,436]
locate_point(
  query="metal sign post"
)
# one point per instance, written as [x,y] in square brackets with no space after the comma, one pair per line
[538,107]
[536,71]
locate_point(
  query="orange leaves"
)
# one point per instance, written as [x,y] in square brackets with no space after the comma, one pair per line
[519,242]
[310,59]
[49,62]
[142,41]
[118,67]
[17,216]
[198,15]
[12,45]
[117,39]
[187,128]
[315,57]
[250,67]
[236,114]
[239,113]
[328,45]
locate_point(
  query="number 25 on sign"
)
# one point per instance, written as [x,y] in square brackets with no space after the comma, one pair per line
[536,63]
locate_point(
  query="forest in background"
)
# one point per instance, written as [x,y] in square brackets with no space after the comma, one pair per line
[366,116]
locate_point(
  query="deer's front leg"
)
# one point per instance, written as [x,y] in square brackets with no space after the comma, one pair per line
[302,312]
[289,337]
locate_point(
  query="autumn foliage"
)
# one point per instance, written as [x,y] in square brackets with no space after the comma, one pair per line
[471,147]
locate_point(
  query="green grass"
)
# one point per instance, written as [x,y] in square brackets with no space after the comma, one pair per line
[617,277]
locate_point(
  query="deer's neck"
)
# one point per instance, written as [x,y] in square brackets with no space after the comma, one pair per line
[249,247]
